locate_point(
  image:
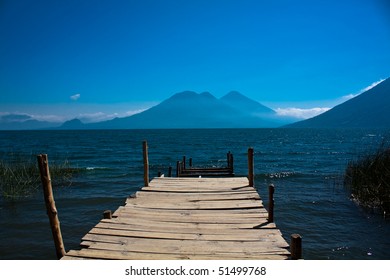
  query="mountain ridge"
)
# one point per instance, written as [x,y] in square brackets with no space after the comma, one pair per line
[189,109]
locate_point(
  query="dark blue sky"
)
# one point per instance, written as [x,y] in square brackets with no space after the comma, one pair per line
[115,57]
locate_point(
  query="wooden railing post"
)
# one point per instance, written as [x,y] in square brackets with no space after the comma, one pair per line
[251,167]
[146,163]
[52,212]
[107,214]
[178,168]
[296,246]
[271,190]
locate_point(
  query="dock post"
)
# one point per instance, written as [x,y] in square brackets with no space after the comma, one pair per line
[271,204]
[228,159]
[170,171]
[184,162]
[146,163]
[231,163]
[178,169]
[190,162]
[107,214]
[251,167]
[296,246]
[52,212]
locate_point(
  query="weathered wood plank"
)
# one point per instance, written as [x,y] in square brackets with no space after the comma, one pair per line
[171,228]
[182,248]
[162,204]
[189,236]
[222,214]
[123,255]
[221,225]
[157,243]
[190,218]
[197,196]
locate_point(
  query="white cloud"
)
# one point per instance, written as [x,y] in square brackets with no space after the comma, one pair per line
[301,113]
[352,95]
[75,97]
[49,118]
[96,117]
[371,86]
[101,116]
[347,97]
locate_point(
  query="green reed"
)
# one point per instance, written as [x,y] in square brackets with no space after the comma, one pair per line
[19,175]
[368,179]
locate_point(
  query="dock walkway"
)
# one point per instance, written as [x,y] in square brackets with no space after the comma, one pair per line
[187,218]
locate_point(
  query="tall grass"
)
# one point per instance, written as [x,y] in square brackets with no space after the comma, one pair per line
[19,175]
[368,179]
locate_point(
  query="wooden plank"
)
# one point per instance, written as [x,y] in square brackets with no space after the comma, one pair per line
[189,236]
[183,248]
[105,254]
[156,242]
[195,205]
[191,219]
[197,196]
[223,214]
[184,224]
[173,228]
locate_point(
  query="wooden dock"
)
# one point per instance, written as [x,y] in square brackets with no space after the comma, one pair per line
[182,170]
[187,218]
[182,218]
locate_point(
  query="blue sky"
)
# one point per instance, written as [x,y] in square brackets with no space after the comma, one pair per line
[99,59]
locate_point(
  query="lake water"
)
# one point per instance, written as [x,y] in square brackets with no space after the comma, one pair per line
[305,165]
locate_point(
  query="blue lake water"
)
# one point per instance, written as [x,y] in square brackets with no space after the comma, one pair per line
[305,165]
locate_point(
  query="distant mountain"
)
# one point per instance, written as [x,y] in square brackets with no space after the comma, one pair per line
[23,122]
[246,105]
[192,110]
[371,109]
[72,124]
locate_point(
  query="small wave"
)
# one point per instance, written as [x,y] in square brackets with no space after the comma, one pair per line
[97,168]
[282,174]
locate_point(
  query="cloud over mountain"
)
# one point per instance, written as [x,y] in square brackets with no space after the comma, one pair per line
[369,109]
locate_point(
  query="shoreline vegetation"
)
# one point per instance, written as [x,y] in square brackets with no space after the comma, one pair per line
[19,175]
[368,180]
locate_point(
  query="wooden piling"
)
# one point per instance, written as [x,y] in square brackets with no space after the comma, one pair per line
[184,163]
[52,212]
[190,162]
[178,169]
[271,203]
[251,167]
[146,163]
[107,214]
[170,171]
[296,246]
[231,164]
